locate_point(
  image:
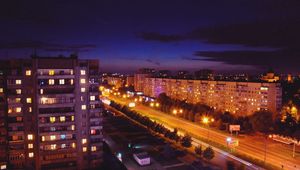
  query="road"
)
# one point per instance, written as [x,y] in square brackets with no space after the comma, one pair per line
[279,155]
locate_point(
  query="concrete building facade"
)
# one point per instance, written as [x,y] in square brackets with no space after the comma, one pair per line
[53,114]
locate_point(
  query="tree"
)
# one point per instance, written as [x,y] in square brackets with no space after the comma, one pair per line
[230,165]
[186,141]
[208,153]
[262,121]
[198,150]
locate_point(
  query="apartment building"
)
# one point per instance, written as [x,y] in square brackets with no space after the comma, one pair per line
[52,113]
[240,98]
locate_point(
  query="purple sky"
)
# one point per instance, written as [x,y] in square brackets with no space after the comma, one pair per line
[231,36]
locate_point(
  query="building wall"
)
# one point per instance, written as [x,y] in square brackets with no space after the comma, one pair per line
[241,98]
[54,112]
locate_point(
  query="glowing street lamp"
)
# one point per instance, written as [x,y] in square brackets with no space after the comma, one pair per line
[152,104]
[157,104]
[175,112]
[206,120]
[180,111]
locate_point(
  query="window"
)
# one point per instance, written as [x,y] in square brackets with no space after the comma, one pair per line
[30,154]
[63,136]
[61,81]
[18,81]
[82,89]
[92,98]
[1,90]
[72,118]
[18,100]
[43,138]
[84,149]
[63,145]
[28,100]
[82,72]
[30,146]
[73,145]
[28,72]
[30,136]
[93,148]
[83,141]
[53,146]
[18,91]
[93,131]
[73,127]
[82,81]
[30,109]
[18,109]
[41,91]
[62,118]
[83,107]
[52,137]
[52,119]
[71,81]
[51,72]
[51,81]
[19,119]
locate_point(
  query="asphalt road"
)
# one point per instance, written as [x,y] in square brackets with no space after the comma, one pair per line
[278,154]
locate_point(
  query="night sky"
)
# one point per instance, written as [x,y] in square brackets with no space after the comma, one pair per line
[225,35]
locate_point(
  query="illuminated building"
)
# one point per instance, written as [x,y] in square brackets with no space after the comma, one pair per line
[140,76]
[49,115]
[241,98]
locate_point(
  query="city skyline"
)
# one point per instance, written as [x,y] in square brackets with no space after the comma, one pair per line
[232,36]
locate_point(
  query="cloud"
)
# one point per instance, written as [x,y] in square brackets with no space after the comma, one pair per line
[153,36]
[153,62]
[281,59]
[53,47]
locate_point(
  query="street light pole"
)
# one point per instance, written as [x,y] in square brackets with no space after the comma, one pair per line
[294,148]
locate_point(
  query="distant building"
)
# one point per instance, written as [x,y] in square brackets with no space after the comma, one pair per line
[117,81]
[183,74]
[270,77]
[139,78]
[164,73]
[130,80]
[204,74]
[50,114]
[241,98]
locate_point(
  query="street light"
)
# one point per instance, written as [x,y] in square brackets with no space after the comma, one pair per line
[206,120]
[157,104]
[175,112]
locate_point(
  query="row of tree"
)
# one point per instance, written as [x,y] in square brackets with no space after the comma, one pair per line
[185,141]
[260,121]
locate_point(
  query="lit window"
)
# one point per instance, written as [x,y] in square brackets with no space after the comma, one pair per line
[82,89]
[30,109]
[18,100]
[18,109]
[93,148]
[71,72]
[71,81]
[52,119]
[61,81]
[43,138]
[30,146]
[30,136]
[9,110]
[73,127]
[1,90]
[18,91]
[92,98]
[82,72]
[51,72]
[73,145]
[62,136]
[53,146]
[3,167]
[81,98]
[93,131]
[84,149]
[63,145]
[28,72]
[19,119]
[18,81]
[62,118]
[30,154]
[83,141]
[28,100]
[51,81]
[83,107]
[52,137]
[72,118]
[41,91]
[82,81]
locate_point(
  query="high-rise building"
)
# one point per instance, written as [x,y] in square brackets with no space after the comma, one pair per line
[52,113]
[240,98]
[139,78]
